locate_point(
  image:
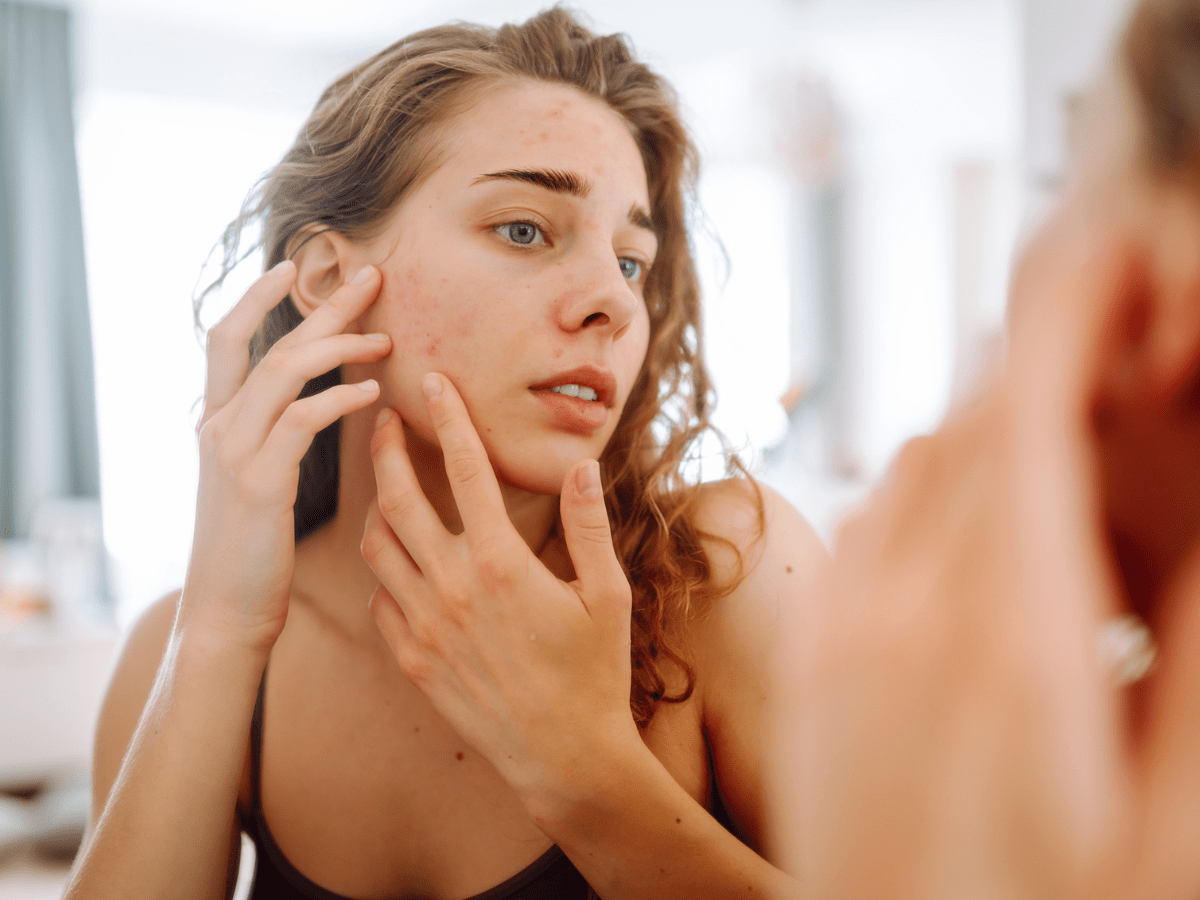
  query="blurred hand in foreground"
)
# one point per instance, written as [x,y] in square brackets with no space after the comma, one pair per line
[954,729]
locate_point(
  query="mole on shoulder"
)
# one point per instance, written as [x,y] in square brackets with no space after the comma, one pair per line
[458,755]
[789,569]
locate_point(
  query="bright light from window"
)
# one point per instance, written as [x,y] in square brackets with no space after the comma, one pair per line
[160,179]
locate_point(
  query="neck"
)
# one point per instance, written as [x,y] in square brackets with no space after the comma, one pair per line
[329,565]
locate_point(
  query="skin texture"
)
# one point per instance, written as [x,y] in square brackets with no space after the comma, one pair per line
[495,316]
[956,725]
[475,746]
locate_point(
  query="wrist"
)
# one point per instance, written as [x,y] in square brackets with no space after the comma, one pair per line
[202,642]
[587,785]
[218,632]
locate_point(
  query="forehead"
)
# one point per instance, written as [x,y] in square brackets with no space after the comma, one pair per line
[524,124]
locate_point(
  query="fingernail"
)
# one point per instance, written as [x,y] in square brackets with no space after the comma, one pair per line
[363,276]
[432,386]
[369,385]
[587,479]
[377,336]
[279,266]
[385,416]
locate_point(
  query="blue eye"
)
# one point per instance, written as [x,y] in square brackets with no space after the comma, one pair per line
[630,268]
[523,233]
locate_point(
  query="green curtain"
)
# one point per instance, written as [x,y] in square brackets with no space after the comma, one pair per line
[48,443]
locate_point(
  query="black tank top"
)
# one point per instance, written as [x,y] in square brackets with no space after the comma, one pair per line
[549,877]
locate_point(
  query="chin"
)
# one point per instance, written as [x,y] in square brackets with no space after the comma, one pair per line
[536,473]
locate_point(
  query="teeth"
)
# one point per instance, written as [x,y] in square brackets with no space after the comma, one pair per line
[575,390]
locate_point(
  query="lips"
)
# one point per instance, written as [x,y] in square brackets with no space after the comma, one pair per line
[598,379]
[565,396]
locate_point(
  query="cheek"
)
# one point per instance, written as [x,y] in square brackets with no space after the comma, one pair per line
[425,314]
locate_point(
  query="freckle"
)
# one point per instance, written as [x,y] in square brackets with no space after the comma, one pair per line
[459,755]
[417,729]
[789,568]
[558,353]
[678,821]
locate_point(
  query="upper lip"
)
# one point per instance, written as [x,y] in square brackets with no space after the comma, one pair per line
[597,378]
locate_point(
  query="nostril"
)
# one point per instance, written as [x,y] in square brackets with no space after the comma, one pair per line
[596,319]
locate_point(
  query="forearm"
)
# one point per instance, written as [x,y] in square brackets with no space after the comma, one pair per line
[165,829]
[634,832]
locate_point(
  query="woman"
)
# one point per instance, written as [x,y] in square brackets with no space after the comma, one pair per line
[480,236]
[975,712]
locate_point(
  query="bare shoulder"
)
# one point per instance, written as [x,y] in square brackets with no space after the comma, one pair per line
[760,544]
[774,560]
[128,688]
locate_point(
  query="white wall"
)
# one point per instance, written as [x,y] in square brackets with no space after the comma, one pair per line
[1066,44]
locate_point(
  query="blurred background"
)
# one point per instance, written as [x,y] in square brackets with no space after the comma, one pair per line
[869,168]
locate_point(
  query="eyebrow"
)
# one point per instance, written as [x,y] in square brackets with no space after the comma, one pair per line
[563,182]
[555,180]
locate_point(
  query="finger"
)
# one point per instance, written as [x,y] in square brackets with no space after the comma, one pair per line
[278,380]
[340,310]
[472,479]
[292,435]
[400,499]
[394,626]
[388,558]
[228,342]
[589,541]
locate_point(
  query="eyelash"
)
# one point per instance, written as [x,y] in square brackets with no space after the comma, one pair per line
[643,268]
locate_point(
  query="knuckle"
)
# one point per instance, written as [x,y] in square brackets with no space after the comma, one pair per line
[301,416]
[594,532]
[395,502]
[208,435]
[413,663]
[219,337]
[462,465]
[278,360]
[457,610]
[374,543]
[453,590]
[494,566]
[428,644]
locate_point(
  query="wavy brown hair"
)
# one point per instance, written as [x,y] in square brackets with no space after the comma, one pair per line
[1160,51]
[374,134]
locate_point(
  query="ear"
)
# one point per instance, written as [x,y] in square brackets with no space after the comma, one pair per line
[1146,416]
[325,260]
[1171,342]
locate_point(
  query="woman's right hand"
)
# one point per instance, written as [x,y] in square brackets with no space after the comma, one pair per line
[253,434]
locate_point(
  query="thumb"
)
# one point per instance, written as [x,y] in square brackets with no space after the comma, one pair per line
[598,573]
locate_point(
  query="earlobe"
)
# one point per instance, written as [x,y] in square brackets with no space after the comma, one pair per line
[325,259]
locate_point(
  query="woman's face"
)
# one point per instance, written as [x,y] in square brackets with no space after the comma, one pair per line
[517,270]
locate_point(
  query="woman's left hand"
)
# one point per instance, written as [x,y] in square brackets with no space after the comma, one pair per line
[533,672]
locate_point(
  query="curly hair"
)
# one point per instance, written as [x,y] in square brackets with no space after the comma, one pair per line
[374,134]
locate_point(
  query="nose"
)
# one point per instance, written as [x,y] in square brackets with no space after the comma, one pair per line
[598,298]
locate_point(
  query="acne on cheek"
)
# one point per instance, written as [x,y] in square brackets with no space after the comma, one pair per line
[420,315]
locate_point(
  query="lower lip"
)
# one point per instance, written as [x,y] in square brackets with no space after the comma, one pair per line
[573,413]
